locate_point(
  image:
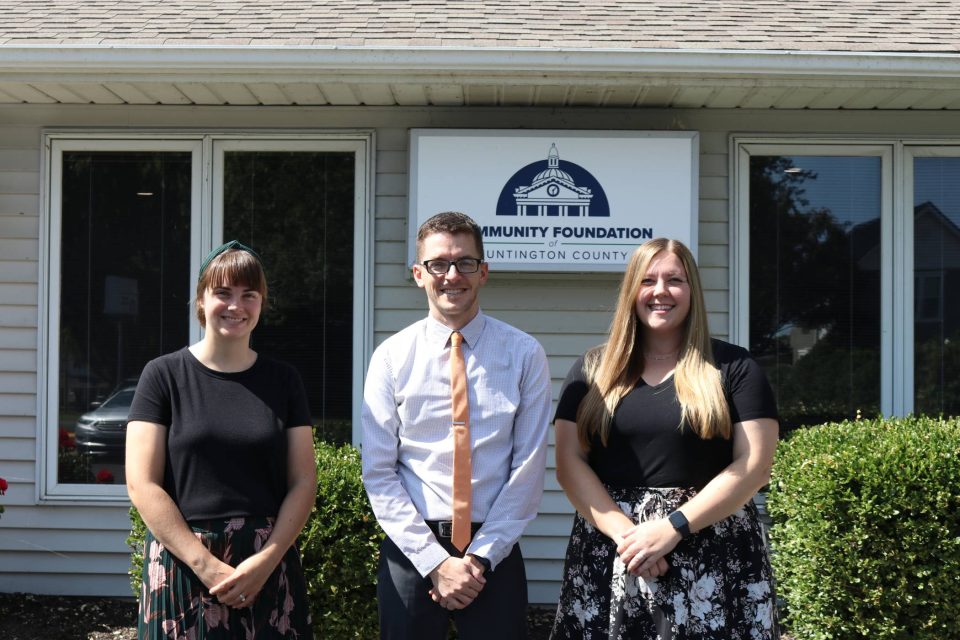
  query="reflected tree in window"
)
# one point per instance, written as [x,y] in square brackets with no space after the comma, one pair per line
[936,317]
[815,284]
[296,209]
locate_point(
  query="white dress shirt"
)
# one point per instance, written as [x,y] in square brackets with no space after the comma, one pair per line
[408,444]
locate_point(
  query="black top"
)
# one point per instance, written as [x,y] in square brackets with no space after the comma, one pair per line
[226,432]
[647,447]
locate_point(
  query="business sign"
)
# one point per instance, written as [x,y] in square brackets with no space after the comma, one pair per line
[557,200]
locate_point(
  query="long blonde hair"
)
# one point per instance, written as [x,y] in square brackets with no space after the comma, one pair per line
[613,369]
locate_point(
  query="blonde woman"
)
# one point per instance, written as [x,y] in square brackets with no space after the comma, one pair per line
[663,437]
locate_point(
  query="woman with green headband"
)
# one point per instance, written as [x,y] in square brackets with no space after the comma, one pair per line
[220,465]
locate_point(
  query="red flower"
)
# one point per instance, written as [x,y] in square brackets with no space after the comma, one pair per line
[67,439]
[3,486]
[104,476]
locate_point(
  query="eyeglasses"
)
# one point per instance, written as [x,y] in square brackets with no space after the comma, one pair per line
[463,265]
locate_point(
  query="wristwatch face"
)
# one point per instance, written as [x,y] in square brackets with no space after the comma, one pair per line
[680,523]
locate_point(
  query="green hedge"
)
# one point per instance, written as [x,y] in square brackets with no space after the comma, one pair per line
[138,533]
[340,546]
[866,534]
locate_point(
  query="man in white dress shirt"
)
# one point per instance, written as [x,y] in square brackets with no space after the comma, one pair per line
[423,580]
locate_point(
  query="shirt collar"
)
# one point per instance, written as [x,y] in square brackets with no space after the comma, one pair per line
[440,332]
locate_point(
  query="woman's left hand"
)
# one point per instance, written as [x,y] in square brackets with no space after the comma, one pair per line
[644,546]
[241,588]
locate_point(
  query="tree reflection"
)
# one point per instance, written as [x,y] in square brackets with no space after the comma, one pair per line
[814,297]
[296,209]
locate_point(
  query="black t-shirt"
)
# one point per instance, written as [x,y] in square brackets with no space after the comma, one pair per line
[226,432]
[647,447]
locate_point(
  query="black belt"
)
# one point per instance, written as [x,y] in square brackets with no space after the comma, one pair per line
[444,528]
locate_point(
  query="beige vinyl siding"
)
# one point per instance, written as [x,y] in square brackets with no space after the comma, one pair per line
[76,549]
[19,251]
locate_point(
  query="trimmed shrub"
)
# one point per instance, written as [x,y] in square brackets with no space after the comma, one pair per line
[340,545]
[138,533]
[866,534]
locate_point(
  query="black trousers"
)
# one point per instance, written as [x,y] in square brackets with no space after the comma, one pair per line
[408,613]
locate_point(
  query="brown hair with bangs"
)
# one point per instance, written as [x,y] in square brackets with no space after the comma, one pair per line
[230,268]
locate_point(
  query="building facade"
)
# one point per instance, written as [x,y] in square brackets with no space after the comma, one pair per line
[134,137]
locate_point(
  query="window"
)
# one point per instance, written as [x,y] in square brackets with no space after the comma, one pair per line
[844,256]
[814,283]
[928,301]
[936,265]
[124,281]
[296,208]
[129,228]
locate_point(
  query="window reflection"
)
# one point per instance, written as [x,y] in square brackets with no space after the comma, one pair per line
[815,284]
[124,282]
[936,251]
[296,209]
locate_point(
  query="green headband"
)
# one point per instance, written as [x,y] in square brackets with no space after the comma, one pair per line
[233,244]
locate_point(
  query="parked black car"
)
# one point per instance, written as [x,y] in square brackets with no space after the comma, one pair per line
[102,432]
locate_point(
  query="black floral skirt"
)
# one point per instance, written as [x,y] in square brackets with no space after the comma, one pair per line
[175,604]
[719,585]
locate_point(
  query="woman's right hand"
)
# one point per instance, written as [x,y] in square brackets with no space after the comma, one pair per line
[590,497]
[213,572]
[638,544]
[146,452]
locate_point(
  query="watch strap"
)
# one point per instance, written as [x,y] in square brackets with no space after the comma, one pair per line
[680,523]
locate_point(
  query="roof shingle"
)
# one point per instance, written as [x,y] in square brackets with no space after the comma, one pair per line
[921,26]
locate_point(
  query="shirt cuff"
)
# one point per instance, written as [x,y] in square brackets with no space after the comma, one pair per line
[484,546]
[484,561]
[428,559]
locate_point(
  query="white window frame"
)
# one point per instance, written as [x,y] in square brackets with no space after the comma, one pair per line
[206,230]
[891,227]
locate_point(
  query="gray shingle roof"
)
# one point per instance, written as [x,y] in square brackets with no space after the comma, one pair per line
[905,26]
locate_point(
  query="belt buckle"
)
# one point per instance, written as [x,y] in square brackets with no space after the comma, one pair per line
[445,528]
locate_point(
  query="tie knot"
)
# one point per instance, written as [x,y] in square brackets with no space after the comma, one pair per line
[456,339]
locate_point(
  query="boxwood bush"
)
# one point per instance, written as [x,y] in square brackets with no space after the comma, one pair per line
[340,546]
[138,533]
[866,534]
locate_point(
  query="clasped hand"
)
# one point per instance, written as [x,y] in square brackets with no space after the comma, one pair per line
[643,548]
[457,582]
[237,587]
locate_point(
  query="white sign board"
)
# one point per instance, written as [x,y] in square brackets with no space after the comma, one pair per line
[558,200]
[120,296]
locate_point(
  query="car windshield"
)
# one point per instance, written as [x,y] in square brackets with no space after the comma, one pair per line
[122,398]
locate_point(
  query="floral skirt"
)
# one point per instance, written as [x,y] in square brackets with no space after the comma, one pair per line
[719,585]
[175,604]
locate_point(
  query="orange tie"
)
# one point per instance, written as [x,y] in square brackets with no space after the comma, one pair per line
[461,444]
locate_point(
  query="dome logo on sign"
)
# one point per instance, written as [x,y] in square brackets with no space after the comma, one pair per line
[553,188]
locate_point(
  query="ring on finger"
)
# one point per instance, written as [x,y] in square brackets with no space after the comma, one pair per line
[243,598]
